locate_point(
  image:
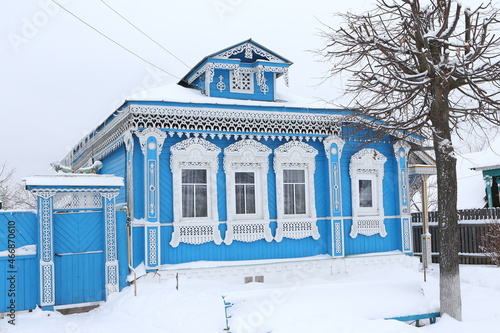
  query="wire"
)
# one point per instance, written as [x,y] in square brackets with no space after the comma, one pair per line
[115,42]
[142,32]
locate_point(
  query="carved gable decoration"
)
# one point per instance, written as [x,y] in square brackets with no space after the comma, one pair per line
[249,51]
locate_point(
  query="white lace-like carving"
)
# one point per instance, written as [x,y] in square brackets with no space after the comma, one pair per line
[249,49]
[195,234]
[401,150]
[368,227]
[152,247]
[333,150]
[201,153]
[251,156]
[248,231]
[77,200]
[221,86]
[338,238]
[47,284]
[297,229]
[45,212]
[208,70]
[220,122]
[297,155]
[367,162]
[406,235]
[261,69]
[158,134]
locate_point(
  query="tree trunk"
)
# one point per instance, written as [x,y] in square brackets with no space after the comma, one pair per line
[449,283]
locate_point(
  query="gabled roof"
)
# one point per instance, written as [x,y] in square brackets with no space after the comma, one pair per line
[247,51]
[251,51]
[421,163]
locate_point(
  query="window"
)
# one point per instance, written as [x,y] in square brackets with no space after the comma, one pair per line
[294,164]
[194,163]
[244,192]
[365,193]
[241,83]
[294,191]
[194,193]
[246,164]
[367,172]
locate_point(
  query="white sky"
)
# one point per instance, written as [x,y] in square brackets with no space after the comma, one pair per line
[60,79]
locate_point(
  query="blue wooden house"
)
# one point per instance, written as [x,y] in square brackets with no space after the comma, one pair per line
[221,168]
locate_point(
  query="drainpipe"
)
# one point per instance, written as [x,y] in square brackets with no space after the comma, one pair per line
[129,246]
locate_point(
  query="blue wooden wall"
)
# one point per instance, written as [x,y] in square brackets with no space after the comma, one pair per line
[376,243]
[116,164]
[287,248]
[73,232]
[25,268]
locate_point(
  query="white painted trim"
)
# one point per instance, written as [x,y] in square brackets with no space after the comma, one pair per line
[238,77]
[247,156]
[195,153]
[296,155]
[368,163]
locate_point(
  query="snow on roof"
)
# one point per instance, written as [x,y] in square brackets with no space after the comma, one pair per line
[487,159]
[471,187]
[74,180]
[177,93]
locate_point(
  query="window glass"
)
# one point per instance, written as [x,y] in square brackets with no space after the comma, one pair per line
[194,193]
[294,191]
[365,193]
[245,192]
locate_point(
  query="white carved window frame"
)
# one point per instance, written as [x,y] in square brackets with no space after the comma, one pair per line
[247,156]
[367,164]
[238,78]
[195,153]
[296,155]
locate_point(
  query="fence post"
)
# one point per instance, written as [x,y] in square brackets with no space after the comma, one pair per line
[426,235]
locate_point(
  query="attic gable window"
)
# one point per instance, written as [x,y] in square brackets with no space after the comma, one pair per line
[242,83]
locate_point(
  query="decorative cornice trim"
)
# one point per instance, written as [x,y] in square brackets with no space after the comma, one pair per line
[401,144]
[158,134]
[327,142]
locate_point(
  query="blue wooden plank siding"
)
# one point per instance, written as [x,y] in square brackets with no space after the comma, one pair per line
[24,269]
[25,291]
[287,248]
[116,164]
[138,181]
[79,257]
[375,243]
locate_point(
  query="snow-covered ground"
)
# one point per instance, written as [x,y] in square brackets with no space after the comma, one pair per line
[356,303]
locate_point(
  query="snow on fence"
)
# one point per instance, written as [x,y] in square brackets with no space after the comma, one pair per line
[474,229]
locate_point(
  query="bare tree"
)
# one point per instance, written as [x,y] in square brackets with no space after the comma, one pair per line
[423,69]
[13,195]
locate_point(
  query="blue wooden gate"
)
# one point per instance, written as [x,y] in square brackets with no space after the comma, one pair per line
[79,257]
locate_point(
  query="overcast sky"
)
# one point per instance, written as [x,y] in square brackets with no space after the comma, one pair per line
[60,78]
